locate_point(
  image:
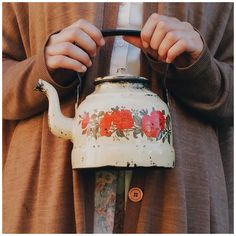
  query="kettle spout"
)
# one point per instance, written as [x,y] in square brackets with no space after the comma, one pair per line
[59,125]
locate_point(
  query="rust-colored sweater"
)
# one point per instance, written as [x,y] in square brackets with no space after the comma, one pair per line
[41,193]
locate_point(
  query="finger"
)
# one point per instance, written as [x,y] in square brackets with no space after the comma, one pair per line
[177,49]
[136,41]
[169,40]
[60,61]
[76,35]
[148,29]
[162,29]
[70,50]
[91,30]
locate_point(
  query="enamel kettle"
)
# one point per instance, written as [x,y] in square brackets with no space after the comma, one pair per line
[121,124]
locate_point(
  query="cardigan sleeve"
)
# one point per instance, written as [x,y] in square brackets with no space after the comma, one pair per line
[206,86]
[21,72]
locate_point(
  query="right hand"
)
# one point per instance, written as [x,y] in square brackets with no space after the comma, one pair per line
[73,47]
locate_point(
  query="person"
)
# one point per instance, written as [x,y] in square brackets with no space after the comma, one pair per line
[54,41]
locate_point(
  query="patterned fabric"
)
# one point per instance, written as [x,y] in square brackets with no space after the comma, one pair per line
[109,201]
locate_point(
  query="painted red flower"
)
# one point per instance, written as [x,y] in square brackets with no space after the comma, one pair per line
[153,124]
[122,119]
[158,115]
[85,120]
[105,125]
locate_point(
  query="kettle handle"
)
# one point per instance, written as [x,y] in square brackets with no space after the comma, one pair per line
[116,32]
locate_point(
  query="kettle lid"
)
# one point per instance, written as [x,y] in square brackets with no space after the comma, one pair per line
[121,76]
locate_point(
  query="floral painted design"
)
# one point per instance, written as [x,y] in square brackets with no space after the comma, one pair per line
[122,119]
[85,121]
[153,124]
[121,123]
[105,125]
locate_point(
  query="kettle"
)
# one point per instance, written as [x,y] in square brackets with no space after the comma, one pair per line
[121,124]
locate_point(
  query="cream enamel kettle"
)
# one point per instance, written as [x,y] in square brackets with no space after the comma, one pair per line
[121,124]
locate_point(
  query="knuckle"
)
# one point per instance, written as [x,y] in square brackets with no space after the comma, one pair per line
[52,39]
[171,36]
[66,48]
[81,22]
[163,26]
[174,19]
[196,35]
[58,60]
[154,16]
[187,25]
[74,32]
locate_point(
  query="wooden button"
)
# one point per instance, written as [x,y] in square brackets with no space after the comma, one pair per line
[135,194]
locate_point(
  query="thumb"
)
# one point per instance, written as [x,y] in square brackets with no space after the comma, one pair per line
[136,41]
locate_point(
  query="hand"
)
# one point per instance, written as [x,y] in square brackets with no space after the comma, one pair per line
[165,38]
[72,47]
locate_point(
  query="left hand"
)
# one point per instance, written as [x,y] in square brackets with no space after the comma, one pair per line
[165,38]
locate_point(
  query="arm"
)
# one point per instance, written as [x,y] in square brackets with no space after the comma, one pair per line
[19,80]
[206,87]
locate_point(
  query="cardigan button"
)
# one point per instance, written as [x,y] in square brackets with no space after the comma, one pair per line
[135,194]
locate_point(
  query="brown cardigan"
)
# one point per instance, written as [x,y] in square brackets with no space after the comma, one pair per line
[41,193]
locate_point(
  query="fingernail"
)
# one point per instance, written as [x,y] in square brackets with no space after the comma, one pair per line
[83,68]
[145,44]
[102,42]
[90,63]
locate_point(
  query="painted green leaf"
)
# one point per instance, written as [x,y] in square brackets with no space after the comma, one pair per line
[168,138]
[136,132]
[120,133]
[143,112]
[164,138]
[137,120]
[160,135]
[167,121]
[141,133]
[115,108]
[101,113]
